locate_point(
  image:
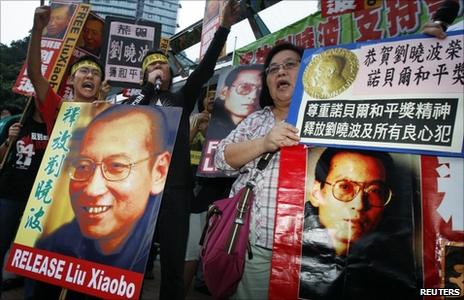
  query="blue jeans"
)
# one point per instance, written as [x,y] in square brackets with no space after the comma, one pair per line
[10,216]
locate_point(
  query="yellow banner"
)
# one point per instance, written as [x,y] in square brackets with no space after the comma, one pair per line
[69,43]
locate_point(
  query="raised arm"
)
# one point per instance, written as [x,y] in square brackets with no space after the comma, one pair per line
[34,61]
[205,69]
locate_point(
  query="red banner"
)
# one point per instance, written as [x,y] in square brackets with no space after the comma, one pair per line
[75,274]
[443,232]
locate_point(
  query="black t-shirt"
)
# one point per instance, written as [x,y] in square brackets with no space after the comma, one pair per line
[20,170]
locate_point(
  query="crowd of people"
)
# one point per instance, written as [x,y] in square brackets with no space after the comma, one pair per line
[253,133]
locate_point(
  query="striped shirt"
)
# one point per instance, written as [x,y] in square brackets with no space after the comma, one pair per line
[256,125]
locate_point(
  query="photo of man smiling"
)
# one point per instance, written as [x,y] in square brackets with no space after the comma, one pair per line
[114,174]
[115,179]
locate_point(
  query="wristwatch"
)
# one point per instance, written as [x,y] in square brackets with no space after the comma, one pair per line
[443,25]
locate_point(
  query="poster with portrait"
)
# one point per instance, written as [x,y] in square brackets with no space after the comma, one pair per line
[90,41]
[59,40]
[92,211]
[361,224]
[237,96]
[402,95]
[126,41]
[211,22]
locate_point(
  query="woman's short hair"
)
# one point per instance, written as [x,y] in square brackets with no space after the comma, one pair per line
[265,97]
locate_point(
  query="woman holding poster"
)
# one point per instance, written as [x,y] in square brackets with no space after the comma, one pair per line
[238,154]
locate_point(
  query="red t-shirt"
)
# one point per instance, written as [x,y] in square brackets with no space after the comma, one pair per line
[49,108]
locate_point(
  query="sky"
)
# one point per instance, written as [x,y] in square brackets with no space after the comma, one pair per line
[16,18]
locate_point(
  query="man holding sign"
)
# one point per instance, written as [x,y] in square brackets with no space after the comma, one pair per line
[86,74]
[174,215]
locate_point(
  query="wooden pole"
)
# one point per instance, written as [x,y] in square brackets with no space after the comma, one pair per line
[63,294]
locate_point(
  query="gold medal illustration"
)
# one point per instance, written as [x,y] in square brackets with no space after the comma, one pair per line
[330,73]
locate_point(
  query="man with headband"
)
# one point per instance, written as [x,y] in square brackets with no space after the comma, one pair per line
[174,215]
[86,74]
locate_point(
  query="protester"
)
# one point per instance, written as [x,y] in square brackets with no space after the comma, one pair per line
[86,74]
[199,121]
[238,154]
[9,110]
[10,114]
[18,174]
[237,99]
[174,215]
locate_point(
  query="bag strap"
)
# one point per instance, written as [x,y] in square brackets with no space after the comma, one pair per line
[243,203]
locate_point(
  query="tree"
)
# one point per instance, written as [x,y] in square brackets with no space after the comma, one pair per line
[11,60]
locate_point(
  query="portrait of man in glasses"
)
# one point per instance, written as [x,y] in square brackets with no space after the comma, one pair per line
[115,180]
[236,99]
[348,195]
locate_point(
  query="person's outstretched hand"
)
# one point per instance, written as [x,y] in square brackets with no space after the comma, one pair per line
[434,29]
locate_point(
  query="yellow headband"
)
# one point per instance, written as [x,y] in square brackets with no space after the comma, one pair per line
[85,63]
[153,58]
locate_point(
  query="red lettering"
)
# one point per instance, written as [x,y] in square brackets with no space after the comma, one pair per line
[402,16]
[246,58]
[368,24]
[329,32]
[261,53]
[305,39]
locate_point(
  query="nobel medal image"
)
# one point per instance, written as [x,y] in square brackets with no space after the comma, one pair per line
[330,73]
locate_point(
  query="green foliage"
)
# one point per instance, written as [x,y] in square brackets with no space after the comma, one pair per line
[11,60]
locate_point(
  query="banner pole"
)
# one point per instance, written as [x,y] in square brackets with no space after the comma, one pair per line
[63,294]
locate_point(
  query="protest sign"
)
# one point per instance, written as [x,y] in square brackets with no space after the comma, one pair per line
[126,43]
[211,22]
[89,43]
[402,95]
[390,19]
[92,211]
[59,40]
[91,38]
[396,234]
[237,96]
[334,7]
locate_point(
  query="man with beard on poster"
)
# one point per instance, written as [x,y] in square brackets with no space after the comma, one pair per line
[345,253]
